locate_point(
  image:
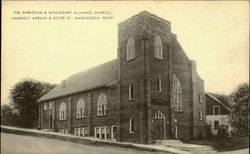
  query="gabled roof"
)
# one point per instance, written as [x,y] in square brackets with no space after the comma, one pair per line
[102,75]
[216,99]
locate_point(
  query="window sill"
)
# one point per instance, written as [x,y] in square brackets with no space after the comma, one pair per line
[128,60]
[102,115]
[81,117]
[62,119]
[131,132]
[131,100]
[158,58]
[178,111]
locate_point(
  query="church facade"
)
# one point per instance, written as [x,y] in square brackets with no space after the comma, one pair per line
[150,92]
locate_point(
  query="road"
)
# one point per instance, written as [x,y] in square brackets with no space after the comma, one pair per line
[19,144]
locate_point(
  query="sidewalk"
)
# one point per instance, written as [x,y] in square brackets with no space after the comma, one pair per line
[90,140]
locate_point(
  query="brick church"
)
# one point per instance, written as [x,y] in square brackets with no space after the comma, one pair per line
[150,92]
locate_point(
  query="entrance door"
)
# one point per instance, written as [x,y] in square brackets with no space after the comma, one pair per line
[175,132]
[50,122]
[113,132]
[158,126]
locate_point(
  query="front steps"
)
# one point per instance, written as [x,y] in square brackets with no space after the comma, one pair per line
[193,148]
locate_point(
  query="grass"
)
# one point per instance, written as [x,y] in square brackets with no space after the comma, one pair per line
[224,143]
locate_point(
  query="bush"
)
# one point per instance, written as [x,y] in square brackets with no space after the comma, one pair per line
[223,131]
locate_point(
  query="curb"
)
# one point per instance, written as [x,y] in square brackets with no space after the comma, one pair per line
[91,141]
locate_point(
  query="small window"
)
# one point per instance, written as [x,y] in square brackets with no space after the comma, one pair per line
[131,92]
[50,105]
[97,132]
[108,132]
[200,98]
[200,115]
[45,106]
[216,110]
[158,47]
[63,131]
[81,131]
[159,84]
[132,125]
[216,124]
[130,48]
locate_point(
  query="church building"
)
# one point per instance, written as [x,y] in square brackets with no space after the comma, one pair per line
[150,92]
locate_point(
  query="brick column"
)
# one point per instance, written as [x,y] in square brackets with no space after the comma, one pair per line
[89,115]
[145,109]
[119,99]
[53,115]
[148,93]
[41,115]
[171,110]
[69,114]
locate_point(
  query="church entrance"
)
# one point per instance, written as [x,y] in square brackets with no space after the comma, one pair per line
[158,126]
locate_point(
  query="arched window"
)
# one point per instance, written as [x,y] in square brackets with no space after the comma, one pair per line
[177,93]
[158,47]
[130,48]
[131,92]
[131,125]
[80,107]
[62,111]
[102,105]
[159,84]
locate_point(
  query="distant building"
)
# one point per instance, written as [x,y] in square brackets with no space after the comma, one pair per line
[151,91]
[217,112]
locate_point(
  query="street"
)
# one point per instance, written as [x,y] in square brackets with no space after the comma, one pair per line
[19,144]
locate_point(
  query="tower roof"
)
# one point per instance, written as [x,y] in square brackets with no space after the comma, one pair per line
[144,14]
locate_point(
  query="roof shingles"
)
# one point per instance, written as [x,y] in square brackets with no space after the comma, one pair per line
[101,75]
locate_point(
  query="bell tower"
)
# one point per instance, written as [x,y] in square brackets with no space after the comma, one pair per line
[136,56]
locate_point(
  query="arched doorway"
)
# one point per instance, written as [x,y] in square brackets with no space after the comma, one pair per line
[159,126]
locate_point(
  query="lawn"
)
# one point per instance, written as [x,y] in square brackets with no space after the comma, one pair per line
[224,143]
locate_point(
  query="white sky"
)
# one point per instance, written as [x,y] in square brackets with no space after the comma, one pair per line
[214,34]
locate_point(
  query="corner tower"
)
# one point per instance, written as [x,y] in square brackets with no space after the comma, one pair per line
[159,87]
[138,64]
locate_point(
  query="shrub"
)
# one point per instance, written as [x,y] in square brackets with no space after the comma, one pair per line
[223,131]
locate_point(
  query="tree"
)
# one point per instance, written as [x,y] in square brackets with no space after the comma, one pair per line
[23,98]
[239,115]
[7,114]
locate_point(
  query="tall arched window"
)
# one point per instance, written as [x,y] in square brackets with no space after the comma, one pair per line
[131,92]
[80,107]
[177,93]
[131,125]
[158,47]
[130,48]
[159,84]
[62,111]
[102,105]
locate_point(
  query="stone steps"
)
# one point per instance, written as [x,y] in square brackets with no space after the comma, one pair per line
[193,148]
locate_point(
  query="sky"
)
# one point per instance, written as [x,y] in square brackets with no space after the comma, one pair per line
[214,34]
